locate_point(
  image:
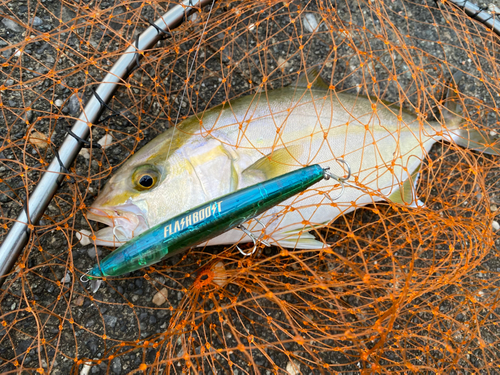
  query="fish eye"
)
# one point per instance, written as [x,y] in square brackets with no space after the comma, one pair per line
[145,177]
[146,181]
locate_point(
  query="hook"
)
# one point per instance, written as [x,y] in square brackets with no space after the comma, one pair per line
[339,195]
[254,239]
[264,230]
[114,234]
[327,174]
[95,284]
[341,180]
[84,278]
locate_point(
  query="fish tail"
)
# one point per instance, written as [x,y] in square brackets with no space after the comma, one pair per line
[479,140]
[452,112]
[458,129]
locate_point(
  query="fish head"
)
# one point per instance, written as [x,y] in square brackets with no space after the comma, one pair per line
[169,175]
[122,205]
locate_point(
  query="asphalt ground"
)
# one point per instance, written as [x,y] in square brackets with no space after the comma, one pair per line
[69,324]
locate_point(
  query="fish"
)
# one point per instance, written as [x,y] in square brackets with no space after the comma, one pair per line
[257,137]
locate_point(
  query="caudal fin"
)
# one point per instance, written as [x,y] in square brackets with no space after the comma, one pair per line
[478,140]
[459,132]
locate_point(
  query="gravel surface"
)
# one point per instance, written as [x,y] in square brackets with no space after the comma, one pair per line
[123,317]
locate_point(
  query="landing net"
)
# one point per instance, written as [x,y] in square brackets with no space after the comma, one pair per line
[398,290]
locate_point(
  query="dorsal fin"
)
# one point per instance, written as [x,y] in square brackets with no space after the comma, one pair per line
[312,77]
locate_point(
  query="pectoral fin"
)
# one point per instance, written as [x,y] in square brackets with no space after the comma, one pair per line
[274,164]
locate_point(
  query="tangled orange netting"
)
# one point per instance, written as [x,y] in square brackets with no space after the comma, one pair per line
[400,290]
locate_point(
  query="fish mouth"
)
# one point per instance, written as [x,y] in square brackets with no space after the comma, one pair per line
[122,222]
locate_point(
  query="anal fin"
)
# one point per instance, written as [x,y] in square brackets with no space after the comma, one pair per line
[407,193]
[302,241]
[301,238]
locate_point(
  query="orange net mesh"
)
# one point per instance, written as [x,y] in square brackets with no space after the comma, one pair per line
[399,289]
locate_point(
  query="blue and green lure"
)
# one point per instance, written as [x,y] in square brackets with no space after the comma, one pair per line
[205,222]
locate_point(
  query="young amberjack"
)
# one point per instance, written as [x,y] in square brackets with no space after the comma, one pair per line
[257,137]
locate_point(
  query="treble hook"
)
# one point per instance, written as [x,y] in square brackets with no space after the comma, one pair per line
[341,180]
[254,239]
[84,278]
[114,233]
[95,284]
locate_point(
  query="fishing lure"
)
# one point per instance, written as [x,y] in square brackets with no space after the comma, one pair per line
[207,221]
